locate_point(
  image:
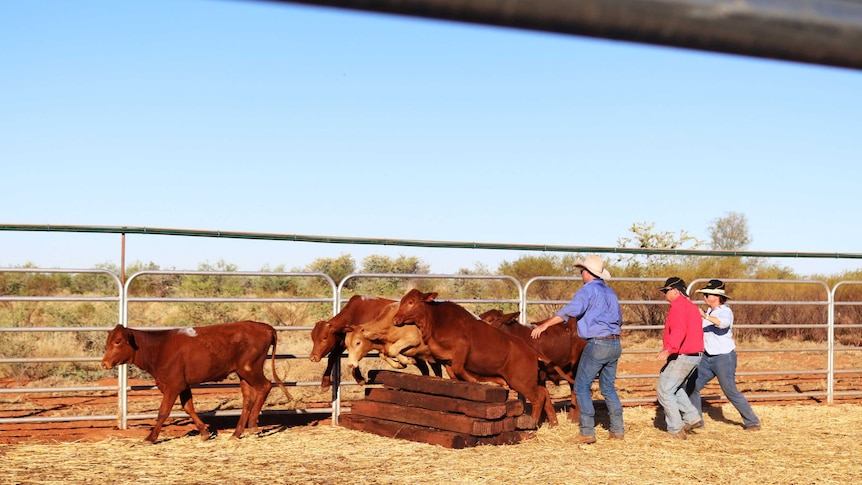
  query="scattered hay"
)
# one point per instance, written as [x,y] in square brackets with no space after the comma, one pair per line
[817,444]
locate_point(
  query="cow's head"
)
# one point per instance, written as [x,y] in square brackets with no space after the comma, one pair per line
[120,348]
[358,347]
[411,307]
[324,339]
[496,318]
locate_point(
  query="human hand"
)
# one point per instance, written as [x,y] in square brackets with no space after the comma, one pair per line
[662,355]
[538,331]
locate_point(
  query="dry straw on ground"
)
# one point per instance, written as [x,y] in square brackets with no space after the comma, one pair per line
[799,444]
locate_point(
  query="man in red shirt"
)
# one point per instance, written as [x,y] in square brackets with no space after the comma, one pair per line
[682,351]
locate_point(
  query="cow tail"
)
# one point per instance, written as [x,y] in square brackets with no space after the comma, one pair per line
[278,380]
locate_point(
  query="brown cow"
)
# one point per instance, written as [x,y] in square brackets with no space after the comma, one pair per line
[327,336]
[560,344]
[180,358]
[475,350]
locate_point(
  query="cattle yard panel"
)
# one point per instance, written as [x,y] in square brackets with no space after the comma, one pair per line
[11,328]
[841,296]
[123,377]
[659,307]
[406,282]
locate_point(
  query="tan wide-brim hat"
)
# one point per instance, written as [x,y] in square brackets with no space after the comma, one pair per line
[714,287]
[594,265]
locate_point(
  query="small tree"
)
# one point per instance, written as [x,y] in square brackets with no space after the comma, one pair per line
[336,268]
[394,287]
[729,232]
[644,236]
[655,265]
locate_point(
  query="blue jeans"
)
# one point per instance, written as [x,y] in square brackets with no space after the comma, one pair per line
[672,395]
[723,367]
[600,356]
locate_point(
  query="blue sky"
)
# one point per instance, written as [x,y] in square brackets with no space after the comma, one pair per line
[254,116]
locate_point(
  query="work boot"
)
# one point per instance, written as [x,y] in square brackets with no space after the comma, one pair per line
[679,435]
[695,425]
[584,439]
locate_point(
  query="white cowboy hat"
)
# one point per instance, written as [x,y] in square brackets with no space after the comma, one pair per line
[714,287]
[594,265]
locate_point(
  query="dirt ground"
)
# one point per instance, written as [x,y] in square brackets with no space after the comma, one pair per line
[105,403]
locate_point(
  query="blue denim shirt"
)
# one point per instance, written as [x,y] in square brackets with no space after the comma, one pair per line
[597,310]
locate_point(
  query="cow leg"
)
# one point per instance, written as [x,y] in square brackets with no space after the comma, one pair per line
[437,368]
[459,357]
[423,367]
[358,377]
[540,400]
[574,410]
[169,397]
[466,375]
[326,382]
[451,373]
[396,350]
[262,391]
[189,408]
[248,398]
[394,363]
[332,359]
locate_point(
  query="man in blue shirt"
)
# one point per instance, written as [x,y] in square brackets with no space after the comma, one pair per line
[597,310]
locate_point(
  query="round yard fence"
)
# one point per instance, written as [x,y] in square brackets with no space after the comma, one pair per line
[52,343]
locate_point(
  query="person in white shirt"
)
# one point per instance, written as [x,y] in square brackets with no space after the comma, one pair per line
[719,357]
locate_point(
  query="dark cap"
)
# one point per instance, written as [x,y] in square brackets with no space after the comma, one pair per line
[674,282]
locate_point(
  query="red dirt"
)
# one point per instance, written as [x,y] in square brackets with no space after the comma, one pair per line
[105,403]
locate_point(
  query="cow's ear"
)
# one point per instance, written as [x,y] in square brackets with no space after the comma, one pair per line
[131,338]
[512,318]
[429,297]
[347,328]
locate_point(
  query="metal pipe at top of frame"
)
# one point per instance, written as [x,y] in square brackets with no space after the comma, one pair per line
[824,32]
[419,243]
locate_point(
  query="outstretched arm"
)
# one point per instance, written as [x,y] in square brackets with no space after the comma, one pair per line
[546,324]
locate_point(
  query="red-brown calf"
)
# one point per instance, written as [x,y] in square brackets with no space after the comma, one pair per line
[178,359]
[560,344]
[475,350]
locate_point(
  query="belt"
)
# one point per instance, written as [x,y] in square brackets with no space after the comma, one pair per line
[605,337]
[693,355]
